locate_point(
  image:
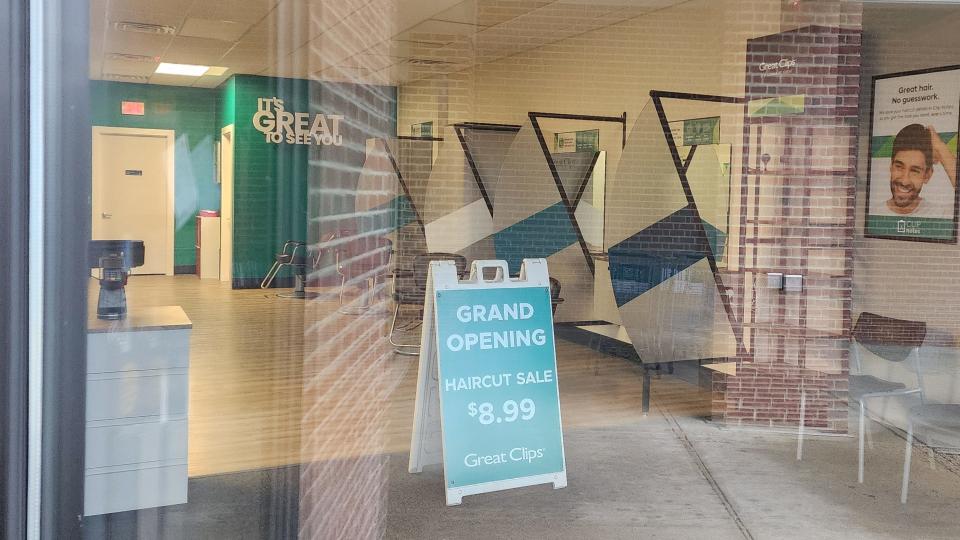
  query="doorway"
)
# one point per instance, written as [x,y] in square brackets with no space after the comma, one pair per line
[133,191]
[226,203]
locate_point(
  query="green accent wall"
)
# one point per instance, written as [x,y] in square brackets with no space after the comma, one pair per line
[287,191]
[269,180]
[192,114]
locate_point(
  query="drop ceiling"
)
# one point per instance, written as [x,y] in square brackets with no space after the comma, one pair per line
[378,41]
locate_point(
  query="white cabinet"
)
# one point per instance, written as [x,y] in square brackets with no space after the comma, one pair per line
[137,401]
[208,247]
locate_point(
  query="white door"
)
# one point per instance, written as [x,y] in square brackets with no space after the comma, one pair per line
[133,192]
[226,203]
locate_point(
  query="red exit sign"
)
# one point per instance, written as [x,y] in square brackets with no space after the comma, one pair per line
[132,107]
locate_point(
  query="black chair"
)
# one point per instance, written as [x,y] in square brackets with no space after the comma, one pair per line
[889,339]
[555,299]
[410,289]
[293,254]
[893,340]
[362,261]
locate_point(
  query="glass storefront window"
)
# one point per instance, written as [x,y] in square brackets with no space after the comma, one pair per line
[485,268]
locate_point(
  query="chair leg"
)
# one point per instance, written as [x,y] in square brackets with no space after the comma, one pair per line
[906,464]
[271,274]
[343,283]
[393,325]
[401,348]
[803,411]
[364,296]
[860,454]
[869,437]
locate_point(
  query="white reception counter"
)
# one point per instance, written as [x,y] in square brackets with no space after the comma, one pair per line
[137,396]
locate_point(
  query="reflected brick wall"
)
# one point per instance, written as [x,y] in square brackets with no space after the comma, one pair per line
[347,377]
[797,217]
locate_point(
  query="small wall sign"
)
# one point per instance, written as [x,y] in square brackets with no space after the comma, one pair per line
[280,126]
[132,108]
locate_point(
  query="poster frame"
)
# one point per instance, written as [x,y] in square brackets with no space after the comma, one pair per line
[956,191]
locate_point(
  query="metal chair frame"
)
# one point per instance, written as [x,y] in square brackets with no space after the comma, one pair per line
[912,356]
[908,452]
[369,282]
[410,349]
[285,258]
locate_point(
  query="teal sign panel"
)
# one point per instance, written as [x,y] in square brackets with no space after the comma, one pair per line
[500,405]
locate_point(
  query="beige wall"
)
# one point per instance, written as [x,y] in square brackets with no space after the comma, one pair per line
[696,46]
[909,280]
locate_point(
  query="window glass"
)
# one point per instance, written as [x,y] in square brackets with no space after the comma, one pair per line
[428,269]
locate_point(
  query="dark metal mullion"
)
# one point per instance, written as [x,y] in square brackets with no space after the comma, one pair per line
[682,173]
[474,169]
[403,185]
[585,117]
[623,132]
[585,180]
[563,193]
[658,94]
[689,160]
[66,177]
[485,126]
[14,239]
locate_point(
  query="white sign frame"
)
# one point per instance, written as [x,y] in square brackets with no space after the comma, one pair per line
[426,443]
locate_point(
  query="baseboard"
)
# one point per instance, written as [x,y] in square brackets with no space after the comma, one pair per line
[185,269]
[286,282]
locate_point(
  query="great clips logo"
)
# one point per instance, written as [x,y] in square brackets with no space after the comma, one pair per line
[279,126]
[784,64]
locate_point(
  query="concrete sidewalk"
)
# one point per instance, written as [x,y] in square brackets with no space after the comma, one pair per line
[666,476]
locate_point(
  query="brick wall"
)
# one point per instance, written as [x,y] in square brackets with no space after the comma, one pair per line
[697,46]
[683,48]
[348,373]
[798,219]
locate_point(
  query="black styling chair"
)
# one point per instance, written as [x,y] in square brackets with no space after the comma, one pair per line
[555,299]
[410,288]
[292,254]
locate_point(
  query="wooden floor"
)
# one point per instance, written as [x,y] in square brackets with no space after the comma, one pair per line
[277,381]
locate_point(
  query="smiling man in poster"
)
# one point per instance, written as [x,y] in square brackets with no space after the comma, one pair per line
[916,151]
[912,183]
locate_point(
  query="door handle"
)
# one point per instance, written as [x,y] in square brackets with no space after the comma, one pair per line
[105,215]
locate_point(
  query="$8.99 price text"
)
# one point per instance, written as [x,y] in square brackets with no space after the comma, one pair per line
[512,411]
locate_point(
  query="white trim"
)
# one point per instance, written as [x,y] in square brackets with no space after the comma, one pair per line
[226,222]
[455,495]
[170,136]
[36,274]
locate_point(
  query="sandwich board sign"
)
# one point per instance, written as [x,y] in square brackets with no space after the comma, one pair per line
[488,404]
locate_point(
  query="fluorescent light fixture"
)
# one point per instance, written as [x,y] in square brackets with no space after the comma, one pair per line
[188,70]
[216,71]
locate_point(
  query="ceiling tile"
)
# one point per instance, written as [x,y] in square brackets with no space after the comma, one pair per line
[440,28]
[127,67]
[164,12]
[134,43]
[245,11]
[214,29]
[173,80]
[191,50]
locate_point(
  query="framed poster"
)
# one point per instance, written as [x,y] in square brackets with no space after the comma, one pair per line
[912,171]
[577,141]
